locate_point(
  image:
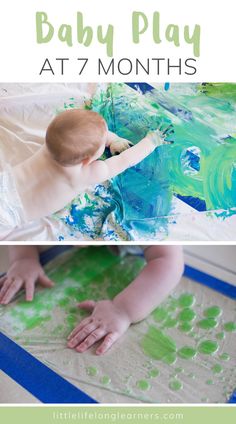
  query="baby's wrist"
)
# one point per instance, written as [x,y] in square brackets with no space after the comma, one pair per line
[155,138]
[120,304]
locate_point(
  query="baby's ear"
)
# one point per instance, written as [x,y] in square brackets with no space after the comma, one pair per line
[86,161]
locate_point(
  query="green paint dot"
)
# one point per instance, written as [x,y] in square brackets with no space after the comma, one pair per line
[209,382]
[143,385]
[185,327]
[175,385]
[187,314]
[170,358]
[217,369]
[157,345]
[208,347]
[105,379]
[212,312]
[170,323]
[224,357]
[192,375]
[179,370]
[160,314]
[92,371]
[230,326]
[208,323]
[187,352]
[186,300]
[220,336]
[153,373]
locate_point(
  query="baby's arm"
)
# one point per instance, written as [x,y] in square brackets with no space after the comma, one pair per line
[104,170]
[110,319]
[161,274]
[24,271]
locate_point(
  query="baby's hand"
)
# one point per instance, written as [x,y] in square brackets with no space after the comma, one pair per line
[106,321]
[119,145]
[157,138]
[22,273]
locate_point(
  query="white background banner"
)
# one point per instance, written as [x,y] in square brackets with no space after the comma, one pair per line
[172,41]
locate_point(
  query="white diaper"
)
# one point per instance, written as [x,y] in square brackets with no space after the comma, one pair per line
[11,208]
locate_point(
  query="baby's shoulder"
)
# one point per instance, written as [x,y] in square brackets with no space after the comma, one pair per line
[97,171]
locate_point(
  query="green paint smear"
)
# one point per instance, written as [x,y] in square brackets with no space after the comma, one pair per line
[212,312]
[207,323]
[230,326]
[217,369]
[78,275]
[175,385]
[208,347]
[91,371]
[158,345]
[187,352]
[143,385]
[187,314]
[185,327]
[186,300]
[209,112]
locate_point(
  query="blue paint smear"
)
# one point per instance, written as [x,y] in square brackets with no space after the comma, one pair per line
[140,199]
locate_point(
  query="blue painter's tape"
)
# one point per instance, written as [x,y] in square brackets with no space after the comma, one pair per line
[194,202]
[140,86]
[208,280]
[232,399]
[52,252]
[37,378]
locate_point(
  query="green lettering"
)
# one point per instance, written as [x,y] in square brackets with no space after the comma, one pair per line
[106,39]
[195,39]
[84,34]
[136,25]
[172,34]
[42,20]
[65,34]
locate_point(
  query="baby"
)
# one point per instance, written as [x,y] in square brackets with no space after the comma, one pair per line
[108,319]
[66,165]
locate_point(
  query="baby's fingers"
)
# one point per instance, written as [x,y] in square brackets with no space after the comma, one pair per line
[2,280]
[29,290]
[109,340]
[88,305]
[12,289]
[79,327]
[96,335]
[45,281]
[82,334]
[6,284]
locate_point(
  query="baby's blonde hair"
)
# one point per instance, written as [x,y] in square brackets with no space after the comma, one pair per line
[75,135]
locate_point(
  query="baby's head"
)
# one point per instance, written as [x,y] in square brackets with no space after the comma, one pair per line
[76,136]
